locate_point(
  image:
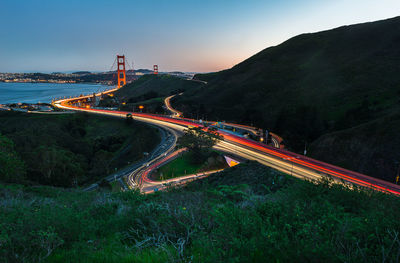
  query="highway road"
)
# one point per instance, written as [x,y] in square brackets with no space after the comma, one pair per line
[167,102]
[251,130]
[141,177]
[288,162]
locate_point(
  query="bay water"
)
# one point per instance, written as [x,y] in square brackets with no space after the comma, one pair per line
[13,92]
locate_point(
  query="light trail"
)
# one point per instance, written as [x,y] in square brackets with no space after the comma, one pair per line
[288,162]
[167,102]
[177,114]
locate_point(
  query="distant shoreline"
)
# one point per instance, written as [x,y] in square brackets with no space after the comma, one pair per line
[58,82]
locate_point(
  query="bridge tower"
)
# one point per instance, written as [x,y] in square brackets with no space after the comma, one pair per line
[155,69]
[121,71]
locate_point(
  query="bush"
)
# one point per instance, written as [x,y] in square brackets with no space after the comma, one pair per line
[227,217]
[12,168]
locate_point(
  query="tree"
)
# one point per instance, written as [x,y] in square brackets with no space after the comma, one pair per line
[56,166]
[12,168]
[129,119]
[199,142]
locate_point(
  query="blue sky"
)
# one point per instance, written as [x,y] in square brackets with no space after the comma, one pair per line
[198,36]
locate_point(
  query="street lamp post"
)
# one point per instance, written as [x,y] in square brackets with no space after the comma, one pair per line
[305,148]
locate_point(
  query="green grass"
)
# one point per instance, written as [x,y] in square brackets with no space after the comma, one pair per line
[183,165]
[248,213]
[116,186]
[179,167]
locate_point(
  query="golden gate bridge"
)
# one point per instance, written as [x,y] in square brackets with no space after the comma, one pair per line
[120,77]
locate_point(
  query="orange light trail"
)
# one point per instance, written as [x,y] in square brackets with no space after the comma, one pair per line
[303,161]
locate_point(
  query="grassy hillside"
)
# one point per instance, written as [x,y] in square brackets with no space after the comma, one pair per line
[183,165]
[63,150]
[314,85]
[248,213]
[153,86]
[149,91]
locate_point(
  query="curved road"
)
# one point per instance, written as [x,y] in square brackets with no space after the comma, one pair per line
[282,160]
[249,129]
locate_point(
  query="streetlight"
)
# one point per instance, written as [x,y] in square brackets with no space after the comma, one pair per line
[305,148]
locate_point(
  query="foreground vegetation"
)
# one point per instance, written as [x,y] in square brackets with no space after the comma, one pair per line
[335,92]
[68,150]
[248,213]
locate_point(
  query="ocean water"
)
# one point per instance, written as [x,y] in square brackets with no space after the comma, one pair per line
[44,92]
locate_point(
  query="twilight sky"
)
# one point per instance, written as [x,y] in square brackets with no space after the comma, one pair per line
[186,35]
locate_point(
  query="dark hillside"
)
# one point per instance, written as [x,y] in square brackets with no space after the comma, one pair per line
[68,150]
[149,91]
[312,85]
[153,86]
[372,147]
